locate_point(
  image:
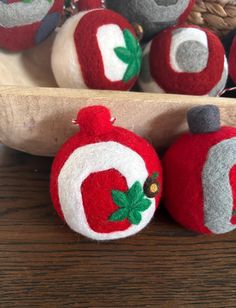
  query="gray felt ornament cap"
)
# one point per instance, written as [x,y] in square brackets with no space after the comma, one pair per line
[204,119]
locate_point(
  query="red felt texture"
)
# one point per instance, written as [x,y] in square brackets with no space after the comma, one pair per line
[117,134]
[94,120]
[185,14]
[15,39]
[98,203]
[182,167]
[23,37]
[89,55]
[13,1]
[232,177]
[232,60]
[185,83]
[84,5]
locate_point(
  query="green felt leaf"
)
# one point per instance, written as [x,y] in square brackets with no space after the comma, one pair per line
[155,175]
[135,193]
[135,217]
[234,212]
[130,55]
[120,198]
[123,54]
[144,205]
[130,41]
[130,204]
[131,72]
[139,52]
[119,215]
[138,65]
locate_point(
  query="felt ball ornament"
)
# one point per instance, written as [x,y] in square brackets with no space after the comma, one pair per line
[24,24]
[106,182]
[96,49]
[229,43]
[200,174]
[152,15]
[184,60]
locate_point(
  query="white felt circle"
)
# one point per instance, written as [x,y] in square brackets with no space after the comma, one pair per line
[109,37]
[182,35]
[94,158]
[20,14]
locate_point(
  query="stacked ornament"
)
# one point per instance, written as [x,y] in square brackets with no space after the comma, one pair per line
[176,57]
[115,44]
[24,24]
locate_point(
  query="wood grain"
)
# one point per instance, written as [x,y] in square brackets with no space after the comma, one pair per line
[38,120]
[44,264]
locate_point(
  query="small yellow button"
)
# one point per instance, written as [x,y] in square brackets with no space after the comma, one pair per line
[154,188]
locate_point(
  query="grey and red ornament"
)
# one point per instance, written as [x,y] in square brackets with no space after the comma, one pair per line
[200,174]
[24,24]
[153,15]
[184,60]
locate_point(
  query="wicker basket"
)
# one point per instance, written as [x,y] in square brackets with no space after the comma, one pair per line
[217,15]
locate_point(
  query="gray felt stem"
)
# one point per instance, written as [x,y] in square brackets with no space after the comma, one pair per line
[203,119]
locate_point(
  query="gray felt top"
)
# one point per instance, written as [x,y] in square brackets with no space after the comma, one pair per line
[203,119]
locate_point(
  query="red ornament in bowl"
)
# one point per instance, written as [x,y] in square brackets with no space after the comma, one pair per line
[96,49]
[24,24]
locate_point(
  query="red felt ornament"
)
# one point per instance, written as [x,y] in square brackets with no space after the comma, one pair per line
[229,42]
[184,60]
[106,182]
[96,49]
[84,5]
[200,174]
[24,24]
[232,61]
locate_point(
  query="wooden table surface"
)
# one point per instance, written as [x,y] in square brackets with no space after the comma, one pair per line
[44,264]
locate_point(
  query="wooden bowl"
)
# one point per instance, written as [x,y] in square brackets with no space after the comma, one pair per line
[37,120]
